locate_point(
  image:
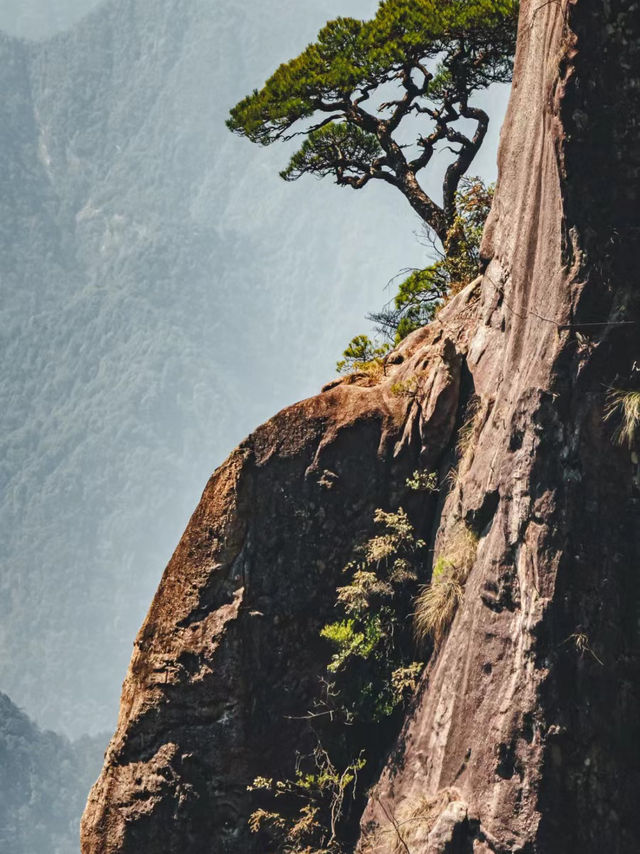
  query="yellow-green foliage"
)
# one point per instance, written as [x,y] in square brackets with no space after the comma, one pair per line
[317,796]
[396,543]
[363,356]
[371,662]
[423,481]
[437,602]
[405,388]
[624,405]
[405,679]
[349,640]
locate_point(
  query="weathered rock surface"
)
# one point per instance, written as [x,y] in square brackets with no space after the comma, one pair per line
[537,734]
[524,735]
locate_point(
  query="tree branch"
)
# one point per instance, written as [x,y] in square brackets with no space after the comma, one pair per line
[405,104]
[320,125]
[351,180]
[394,168]
[470,148]
[428,143]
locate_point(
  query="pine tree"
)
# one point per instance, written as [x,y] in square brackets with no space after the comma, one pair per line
[426,58]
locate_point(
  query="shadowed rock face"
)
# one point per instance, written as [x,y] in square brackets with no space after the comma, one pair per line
[539,736]
[523,736]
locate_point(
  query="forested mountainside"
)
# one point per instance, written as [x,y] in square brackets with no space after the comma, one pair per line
[500,444]
[43,783]
[38,19]
[162,292]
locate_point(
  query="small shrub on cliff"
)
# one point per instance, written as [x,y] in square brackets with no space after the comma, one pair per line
[362,355]
[438,601]
[461,258]
[372,645]
[405,388]
[624,406]
[421,294]
[314,800]
[423,481]
[370,674]
[350,640]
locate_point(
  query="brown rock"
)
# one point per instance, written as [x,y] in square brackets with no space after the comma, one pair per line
[448,834]
[534,731]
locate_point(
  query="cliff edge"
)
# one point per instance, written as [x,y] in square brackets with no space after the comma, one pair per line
[523,734]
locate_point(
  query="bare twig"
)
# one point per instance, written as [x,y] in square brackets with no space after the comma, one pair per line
[394,823]
[581,641]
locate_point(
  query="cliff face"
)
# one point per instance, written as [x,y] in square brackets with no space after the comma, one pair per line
[523,735]
[529,709]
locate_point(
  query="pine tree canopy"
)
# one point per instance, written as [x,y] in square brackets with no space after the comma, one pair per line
[426,58]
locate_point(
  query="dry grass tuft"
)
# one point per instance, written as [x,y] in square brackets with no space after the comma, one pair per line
[437,602]
[460,548]
[466,433]
[624,405]
[366,373]
[583,645]
[436,605]
[409,829]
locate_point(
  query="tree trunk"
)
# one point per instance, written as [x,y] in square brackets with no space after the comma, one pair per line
[425,207]
[524,735]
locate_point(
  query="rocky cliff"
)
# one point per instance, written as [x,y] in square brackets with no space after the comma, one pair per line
[523,734]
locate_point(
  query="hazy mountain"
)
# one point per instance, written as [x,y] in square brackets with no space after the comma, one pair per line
[43,785]
[37,19]
[162,293]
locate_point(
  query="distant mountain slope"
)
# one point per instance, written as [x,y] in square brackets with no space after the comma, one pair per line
[43,785]
[162,293]
[37,19]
